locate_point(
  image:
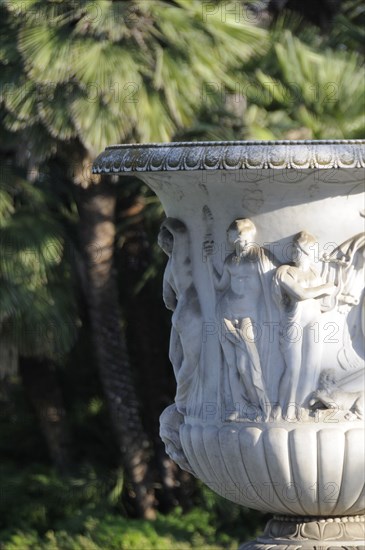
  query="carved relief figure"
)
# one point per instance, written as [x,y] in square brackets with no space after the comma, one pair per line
[170,422]
[298,289]
[242,308]
[345,394]
[180,296]
[345,267]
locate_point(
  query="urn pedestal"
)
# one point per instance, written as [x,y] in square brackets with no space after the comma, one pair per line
[265,250]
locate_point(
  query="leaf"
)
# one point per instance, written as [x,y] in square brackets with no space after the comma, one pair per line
[54,112]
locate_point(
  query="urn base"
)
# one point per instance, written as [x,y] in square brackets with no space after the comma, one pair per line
[309,533]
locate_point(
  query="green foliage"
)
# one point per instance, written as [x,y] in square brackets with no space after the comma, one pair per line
[38,499]
[304,85]
[104,72]
[348,31]
[112,533]
[316,94]
[37,310]
[38,509]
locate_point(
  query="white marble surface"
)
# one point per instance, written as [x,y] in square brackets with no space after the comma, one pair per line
[265,280]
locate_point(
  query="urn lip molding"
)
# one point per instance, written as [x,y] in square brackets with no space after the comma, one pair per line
[231,155]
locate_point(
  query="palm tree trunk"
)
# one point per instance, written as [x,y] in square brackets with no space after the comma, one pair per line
[41,384]
[149,337]
[97,232]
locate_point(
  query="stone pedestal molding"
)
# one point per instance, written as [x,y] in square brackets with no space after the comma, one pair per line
[265,249]
[311,533]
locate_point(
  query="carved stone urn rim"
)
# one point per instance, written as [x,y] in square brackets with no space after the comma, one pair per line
[231,155]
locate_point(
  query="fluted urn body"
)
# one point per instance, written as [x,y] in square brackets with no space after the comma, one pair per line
[265,250]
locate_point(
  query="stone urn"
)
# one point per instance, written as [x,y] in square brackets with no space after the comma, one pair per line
[265,250]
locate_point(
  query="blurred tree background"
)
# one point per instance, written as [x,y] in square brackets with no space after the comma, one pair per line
[84,370]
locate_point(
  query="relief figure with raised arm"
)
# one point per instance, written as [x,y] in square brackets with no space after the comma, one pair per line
[245,309]
[299,289]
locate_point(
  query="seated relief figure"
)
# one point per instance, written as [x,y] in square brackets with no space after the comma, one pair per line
[244,309]
[345,267]
[298,289]
[342,389]
[341,394]
[180,296]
